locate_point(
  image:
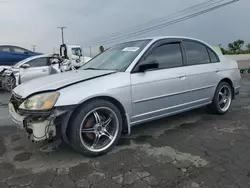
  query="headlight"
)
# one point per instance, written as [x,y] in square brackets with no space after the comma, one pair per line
[43,101]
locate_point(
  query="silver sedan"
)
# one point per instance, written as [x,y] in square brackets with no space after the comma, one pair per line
[128,84]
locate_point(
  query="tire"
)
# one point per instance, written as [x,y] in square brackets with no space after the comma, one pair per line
[243,71]
[85,119]
[216,106]
[8,83]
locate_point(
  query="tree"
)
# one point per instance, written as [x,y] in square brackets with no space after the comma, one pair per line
[248,48]
[101,48]
[235,47]
[223,51]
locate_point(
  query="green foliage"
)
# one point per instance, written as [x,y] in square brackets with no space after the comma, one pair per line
[236,48]
[248,48]
[101,48]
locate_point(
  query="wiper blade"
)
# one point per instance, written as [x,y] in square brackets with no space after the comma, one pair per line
[91,69]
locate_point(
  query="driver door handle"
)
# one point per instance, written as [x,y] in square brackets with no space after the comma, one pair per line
[44,70]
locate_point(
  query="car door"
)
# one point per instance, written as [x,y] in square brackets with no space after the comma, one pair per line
[37,67]
[203,73]
[6,57]
[161,91]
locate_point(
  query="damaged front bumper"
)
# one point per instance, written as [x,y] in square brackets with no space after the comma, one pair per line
[41,126]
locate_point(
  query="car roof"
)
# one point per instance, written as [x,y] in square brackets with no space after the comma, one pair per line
[13,46]
[37,56]
[155,38]
[32,58]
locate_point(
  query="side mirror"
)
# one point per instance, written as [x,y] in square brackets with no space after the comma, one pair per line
[25,66]
[26,52]
[148,64]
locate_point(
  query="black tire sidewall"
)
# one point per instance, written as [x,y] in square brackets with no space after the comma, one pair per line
[80,113]
[4,83]
[215,103]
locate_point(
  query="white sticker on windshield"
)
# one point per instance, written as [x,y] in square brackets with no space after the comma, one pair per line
[131,49]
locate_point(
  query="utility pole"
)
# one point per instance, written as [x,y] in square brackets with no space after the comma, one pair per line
[90,52]
[33,48]
[62,28]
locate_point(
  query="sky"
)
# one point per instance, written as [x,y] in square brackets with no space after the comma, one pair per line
[28,22]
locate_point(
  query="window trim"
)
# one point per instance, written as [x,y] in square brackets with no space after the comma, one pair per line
[206,46]
[154,46]
[216,56]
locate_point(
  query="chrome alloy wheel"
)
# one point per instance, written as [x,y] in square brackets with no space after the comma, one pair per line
[99,129]
[224,98]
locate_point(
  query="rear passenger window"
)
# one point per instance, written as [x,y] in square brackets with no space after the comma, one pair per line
[213,57]
[196,53]
[19,50]
[167,55]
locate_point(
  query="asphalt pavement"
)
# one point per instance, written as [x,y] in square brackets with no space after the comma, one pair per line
[4,115]
[191,150]
[244,64]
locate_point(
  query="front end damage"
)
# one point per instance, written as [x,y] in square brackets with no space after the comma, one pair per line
[1,75]
[40,128]
[40,125]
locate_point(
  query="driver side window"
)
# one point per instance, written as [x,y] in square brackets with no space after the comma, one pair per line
[40,62]
[167,55]
[5,49]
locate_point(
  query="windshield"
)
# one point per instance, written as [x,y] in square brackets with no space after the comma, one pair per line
[118,57]
[77,51]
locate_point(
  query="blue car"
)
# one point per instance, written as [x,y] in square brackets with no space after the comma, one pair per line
[9,55]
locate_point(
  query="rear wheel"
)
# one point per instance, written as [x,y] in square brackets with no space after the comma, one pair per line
[95,128]
[222,98]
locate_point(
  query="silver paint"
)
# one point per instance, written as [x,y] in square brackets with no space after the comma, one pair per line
[146,95]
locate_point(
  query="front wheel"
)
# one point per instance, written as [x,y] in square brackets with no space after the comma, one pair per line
[9,83]
[95,128]
[222,98]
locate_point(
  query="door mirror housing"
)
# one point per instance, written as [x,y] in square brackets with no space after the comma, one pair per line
[148,64]
[25,66]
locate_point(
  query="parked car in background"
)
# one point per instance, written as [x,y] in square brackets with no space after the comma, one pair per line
[128,84]
[9,55]
[30,68]
[2,70]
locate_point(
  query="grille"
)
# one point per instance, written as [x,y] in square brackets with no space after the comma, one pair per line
[16,100]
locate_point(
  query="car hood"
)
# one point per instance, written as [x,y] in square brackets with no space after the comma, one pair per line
[57,81]
[4,67]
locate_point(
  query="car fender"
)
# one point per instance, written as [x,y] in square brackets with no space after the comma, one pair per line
[68,115]
[115,86]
